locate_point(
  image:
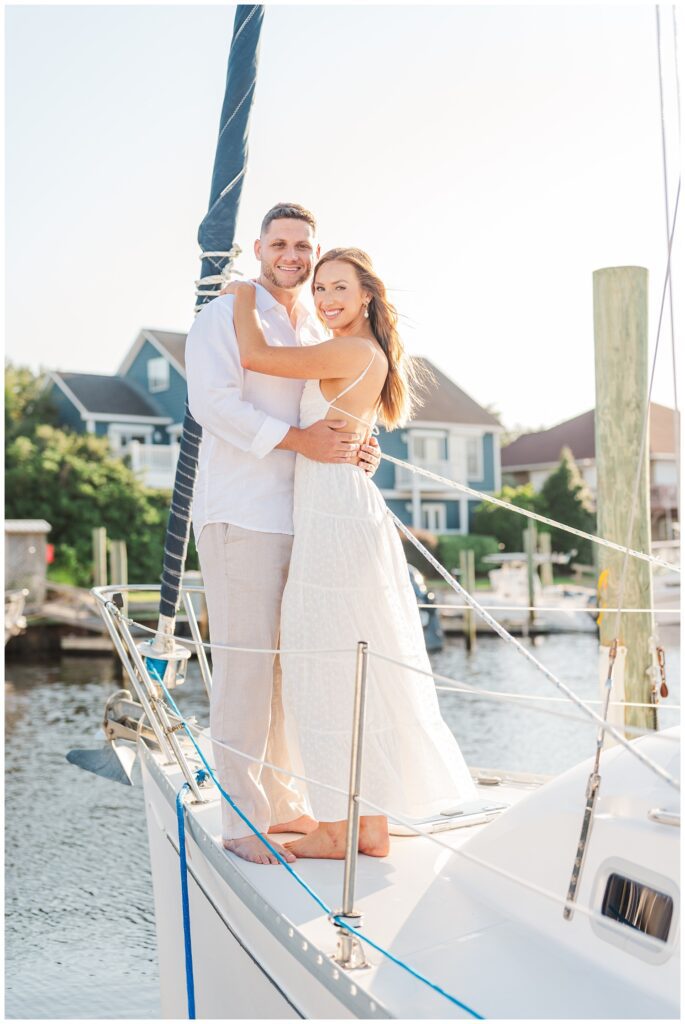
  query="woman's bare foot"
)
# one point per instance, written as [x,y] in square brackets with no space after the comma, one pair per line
[253,849]
[303,824]
[328,840]
[374,838]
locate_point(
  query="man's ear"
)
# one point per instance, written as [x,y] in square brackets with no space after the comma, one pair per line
[317,254]
[258,249]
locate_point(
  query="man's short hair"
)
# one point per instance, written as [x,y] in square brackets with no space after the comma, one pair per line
[290,211]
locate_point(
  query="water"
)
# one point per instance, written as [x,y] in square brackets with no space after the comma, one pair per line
[80,937]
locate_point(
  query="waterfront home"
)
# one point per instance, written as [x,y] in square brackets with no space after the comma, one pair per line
[141,408]
[532,457]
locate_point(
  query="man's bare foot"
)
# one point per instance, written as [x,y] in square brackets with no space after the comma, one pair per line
[253,849]
[328,840]
[303,824]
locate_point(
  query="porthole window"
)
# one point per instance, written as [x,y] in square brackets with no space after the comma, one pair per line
[638,906]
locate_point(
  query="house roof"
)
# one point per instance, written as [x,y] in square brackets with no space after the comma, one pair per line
[544,446]
[100,394]
[444,402]
[172,341]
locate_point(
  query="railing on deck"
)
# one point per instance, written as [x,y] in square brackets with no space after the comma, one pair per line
[154,463]
[405,479]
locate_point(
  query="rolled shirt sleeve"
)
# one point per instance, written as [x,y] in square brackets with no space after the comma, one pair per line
[215,380]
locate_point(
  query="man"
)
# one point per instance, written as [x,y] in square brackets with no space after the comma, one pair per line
[242,520]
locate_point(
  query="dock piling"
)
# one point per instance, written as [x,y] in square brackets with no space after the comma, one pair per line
[621,384]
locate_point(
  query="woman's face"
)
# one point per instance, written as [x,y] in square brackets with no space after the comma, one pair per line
[338,295]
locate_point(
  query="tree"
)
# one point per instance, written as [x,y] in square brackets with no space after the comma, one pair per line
[72,481]
[26,404]
[566,498]
[505,525]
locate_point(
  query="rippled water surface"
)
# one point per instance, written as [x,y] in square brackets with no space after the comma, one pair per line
[80,938]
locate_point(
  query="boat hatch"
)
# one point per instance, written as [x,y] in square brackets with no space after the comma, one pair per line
[638,906]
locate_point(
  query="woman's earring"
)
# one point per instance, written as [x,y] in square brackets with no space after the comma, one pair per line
[366,311]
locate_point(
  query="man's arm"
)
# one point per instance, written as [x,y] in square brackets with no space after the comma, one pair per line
[215,378]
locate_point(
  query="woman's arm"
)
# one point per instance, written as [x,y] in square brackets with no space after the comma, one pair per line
[339,357]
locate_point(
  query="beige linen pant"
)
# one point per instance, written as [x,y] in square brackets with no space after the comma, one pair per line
[244,573]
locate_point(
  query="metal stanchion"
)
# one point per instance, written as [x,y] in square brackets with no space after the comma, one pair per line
[199,648]
[350,952]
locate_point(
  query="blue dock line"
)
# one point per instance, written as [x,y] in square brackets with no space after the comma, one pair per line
[187,943]
[298,878]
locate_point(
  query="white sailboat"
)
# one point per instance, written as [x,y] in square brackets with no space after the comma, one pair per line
[474,905]
[499,909]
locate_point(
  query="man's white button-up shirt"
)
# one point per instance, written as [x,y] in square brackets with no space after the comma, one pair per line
[241,478]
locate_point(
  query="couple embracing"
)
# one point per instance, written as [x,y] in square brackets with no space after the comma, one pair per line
[298,552]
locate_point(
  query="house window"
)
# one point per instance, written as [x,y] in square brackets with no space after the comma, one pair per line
[429,448]
[434,517]
[474,458]
[157,374]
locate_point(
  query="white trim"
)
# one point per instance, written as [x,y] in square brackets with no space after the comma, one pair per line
[106,417]
[435,506]
[66,390]
[160,386]
[147,335]
[437,495]
[131,355]
[480,458]
[463,515]
[476,428]
[90,426]
[497,463]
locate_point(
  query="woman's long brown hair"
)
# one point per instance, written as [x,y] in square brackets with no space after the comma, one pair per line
[404,378]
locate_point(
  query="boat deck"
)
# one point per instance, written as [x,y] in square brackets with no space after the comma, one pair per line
[448,919]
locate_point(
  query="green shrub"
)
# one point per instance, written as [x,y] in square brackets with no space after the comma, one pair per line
[506,526]
[449,547]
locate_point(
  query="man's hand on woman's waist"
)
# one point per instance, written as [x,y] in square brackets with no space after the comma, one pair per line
[326,441]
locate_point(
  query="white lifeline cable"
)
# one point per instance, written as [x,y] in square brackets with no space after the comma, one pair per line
[517,880]
[531,515]
[515,698]
[501,631]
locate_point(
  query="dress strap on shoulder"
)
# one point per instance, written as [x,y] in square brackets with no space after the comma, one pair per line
[354,383]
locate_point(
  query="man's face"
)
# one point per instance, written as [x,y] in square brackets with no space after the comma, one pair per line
[287,251]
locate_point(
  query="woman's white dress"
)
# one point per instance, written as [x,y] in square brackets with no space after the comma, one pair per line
[348,581]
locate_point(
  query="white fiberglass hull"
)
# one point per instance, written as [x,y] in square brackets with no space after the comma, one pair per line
[262,947]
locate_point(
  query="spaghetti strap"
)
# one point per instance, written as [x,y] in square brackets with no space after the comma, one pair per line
[354,383]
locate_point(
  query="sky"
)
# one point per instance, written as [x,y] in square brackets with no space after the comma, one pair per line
[489,158]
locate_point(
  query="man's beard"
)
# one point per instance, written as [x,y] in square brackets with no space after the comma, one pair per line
[271,275]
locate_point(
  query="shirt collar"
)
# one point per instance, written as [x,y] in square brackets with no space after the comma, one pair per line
[265,300]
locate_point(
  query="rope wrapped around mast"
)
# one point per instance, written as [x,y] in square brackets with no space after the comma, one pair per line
[216,237]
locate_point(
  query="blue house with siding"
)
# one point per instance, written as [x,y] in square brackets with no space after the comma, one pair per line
[140,409]
[450,435]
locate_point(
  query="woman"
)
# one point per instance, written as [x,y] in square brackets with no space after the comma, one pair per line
[348,578]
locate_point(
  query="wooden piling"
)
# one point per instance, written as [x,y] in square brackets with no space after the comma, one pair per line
[530,543]
[99,537]
[467,566]
[118,566]
[546,568]
[621,388]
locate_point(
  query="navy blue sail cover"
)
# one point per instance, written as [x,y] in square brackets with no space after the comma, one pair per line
[217,235]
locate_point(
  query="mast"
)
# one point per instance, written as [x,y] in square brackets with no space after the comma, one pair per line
[216,236]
